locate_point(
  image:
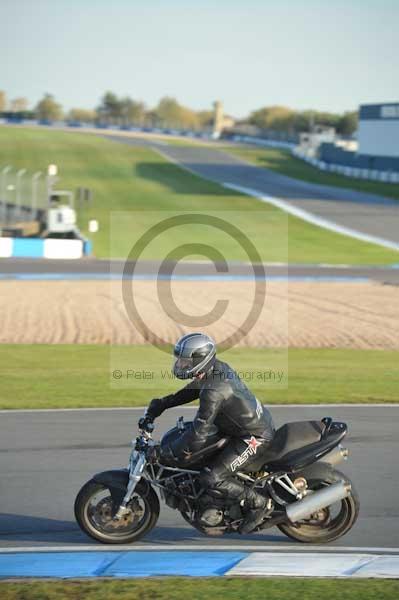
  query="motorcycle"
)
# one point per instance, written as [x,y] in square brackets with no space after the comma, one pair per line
[308,499]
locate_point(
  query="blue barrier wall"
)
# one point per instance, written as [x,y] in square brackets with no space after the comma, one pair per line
[32,247]
[44,248]
[330,153]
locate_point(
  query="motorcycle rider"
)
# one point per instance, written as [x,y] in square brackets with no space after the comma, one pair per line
[224,401]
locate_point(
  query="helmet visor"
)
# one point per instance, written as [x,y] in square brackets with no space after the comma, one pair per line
[182,367]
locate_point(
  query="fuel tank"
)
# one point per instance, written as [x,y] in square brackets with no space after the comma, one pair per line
[195,455]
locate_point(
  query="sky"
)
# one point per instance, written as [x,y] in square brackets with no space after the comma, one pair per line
[323,54]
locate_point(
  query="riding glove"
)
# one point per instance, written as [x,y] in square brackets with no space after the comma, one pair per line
[155,408]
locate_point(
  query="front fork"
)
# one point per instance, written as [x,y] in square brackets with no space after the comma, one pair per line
[137,465]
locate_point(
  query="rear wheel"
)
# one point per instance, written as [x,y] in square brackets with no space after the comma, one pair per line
[95,509]
[329,523]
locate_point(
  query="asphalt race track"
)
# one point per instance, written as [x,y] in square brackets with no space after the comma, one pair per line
[366,213]
[45,456]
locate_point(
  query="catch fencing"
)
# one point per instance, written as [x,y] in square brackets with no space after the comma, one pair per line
[23,196]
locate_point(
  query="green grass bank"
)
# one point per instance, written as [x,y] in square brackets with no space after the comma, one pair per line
[73,376]
[203,589]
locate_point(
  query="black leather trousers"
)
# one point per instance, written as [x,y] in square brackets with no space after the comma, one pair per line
[218,478]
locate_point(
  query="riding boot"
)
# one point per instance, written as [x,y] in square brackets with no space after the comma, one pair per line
[253,502]
[255,505]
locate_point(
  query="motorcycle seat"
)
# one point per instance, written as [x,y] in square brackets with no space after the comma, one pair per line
[293,436]
[287,439]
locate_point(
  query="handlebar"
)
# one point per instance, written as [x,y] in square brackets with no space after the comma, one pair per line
[146,424]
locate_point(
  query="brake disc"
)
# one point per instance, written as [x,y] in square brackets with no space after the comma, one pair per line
[104,513]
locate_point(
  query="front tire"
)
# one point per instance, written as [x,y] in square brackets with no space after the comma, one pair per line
[323,527]
[94,511]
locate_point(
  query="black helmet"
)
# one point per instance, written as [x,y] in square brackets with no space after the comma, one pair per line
[195,353]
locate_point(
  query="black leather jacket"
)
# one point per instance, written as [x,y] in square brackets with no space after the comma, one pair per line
[225,401]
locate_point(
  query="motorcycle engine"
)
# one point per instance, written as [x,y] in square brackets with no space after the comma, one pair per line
[211,517]
[210,511]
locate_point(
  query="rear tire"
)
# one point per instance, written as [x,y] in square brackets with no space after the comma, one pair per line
[96,519]
[312,533]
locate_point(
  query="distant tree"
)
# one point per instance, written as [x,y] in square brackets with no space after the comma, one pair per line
[348,123]
[281,118]
[168,112]
[110,108]
[3,101]
[188,118]
[327,119]
[304,120]
[19,105]
[82,114]
[47,108]
[205,118]
[172,114]
[259,118]
[133,111]
[278,118]
[151,118]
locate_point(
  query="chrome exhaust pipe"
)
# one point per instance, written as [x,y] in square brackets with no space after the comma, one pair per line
[303,509]
[336,455]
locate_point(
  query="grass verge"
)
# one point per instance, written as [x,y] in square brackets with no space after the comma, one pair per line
[203,589]
[136,179]
[73,376]
[283,162]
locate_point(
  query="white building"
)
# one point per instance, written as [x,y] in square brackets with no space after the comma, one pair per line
[378,133]
[310,142]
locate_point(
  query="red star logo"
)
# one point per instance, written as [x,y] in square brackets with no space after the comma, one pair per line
[253,443]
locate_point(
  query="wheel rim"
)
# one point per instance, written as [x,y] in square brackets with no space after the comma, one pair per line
[327,521]
[99,511]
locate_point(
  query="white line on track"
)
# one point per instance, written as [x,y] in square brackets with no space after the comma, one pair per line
[276,264]
[197,547]
[311,218]
[179,408]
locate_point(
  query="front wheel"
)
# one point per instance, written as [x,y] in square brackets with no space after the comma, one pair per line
[329,523]
[95,509]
